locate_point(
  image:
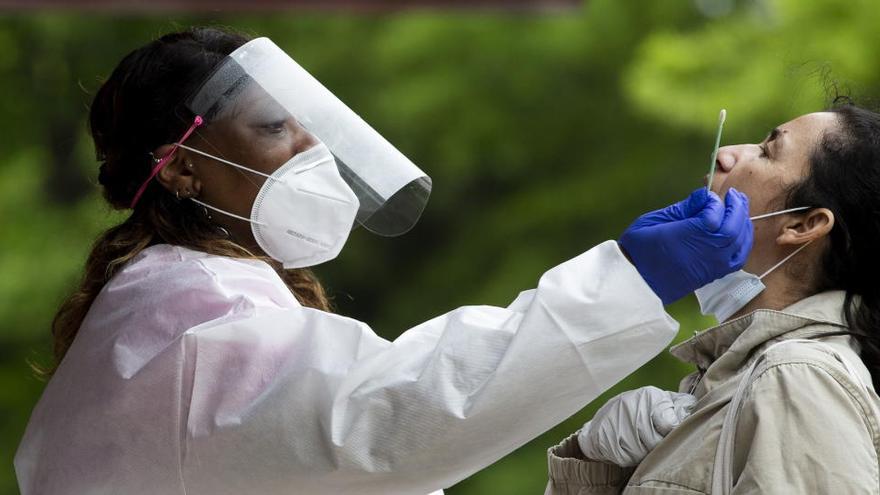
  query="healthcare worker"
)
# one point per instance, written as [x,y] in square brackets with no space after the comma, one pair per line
[199,356]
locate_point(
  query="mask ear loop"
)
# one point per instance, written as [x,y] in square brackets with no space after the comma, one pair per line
[227,213]
[796,251]
[227,162]
[165,159]
[233,164]
[240,167]
[777,265]
[781,212]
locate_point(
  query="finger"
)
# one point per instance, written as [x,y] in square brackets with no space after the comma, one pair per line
[736,214]
[676,211]
[688,207]
[684,405]
[744,246]
[695,202]
[655,217]
[663,417]
[711,216]
[680,406]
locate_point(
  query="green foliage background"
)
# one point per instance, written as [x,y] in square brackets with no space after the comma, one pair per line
[545,132]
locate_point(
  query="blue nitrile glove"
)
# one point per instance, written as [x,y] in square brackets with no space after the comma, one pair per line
[687,245]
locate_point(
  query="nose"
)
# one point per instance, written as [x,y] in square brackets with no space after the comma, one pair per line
[306,141]
[302,139]
[727,158]
[730,156]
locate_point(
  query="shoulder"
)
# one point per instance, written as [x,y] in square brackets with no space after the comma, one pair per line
[177,280]
[816,380]
[165,259]
[166,290]
[836,355]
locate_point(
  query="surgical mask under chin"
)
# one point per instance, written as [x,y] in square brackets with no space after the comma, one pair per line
[304,212]
[730,293]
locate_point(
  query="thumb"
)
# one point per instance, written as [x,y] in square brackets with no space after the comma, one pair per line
[711,215]
[696,201]
[671,411]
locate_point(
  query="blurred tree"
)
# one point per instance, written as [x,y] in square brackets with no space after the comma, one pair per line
[544,134]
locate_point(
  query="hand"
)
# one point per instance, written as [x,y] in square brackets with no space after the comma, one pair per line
[630,425]
[687,245]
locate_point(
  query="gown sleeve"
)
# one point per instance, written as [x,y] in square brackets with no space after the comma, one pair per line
[304,401]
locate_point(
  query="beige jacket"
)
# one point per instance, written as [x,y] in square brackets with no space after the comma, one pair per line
[806,426]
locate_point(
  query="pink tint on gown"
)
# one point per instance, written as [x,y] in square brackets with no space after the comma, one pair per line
[195,374]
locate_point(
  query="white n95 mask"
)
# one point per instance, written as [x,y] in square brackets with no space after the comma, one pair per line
[304,212]
[730,293]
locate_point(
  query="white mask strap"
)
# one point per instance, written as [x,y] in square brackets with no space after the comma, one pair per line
[773,214]
[777,265]
[233,215]
[242,167]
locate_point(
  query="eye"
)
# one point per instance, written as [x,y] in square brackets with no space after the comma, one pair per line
[274,127]
[763,150]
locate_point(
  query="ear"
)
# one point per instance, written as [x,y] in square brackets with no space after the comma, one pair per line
[178,175]
[810,226]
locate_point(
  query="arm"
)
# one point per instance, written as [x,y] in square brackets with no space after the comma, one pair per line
[316,401]
[676,249]
[805,428]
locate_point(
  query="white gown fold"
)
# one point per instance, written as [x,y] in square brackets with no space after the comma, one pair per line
[198,374]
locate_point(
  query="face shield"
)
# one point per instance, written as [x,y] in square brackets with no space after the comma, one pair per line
[261,81]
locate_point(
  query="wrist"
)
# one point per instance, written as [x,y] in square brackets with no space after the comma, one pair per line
[625,253]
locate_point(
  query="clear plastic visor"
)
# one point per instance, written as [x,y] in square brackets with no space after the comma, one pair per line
[269,108]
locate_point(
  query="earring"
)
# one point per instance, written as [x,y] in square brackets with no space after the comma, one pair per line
[177,194]
[189,165]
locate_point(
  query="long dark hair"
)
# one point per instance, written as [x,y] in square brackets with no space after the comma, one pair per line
[844,176]
[138,108]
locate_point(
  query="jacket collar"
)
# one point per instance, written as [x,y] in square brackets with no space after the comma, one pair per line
[742,335]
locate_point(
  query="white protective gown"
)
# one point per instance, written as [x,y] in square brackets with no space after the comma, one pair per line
[199,374]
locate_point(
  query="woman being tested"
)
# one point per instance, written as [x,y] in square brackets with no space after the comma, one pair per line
[199,357]
[784,397]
